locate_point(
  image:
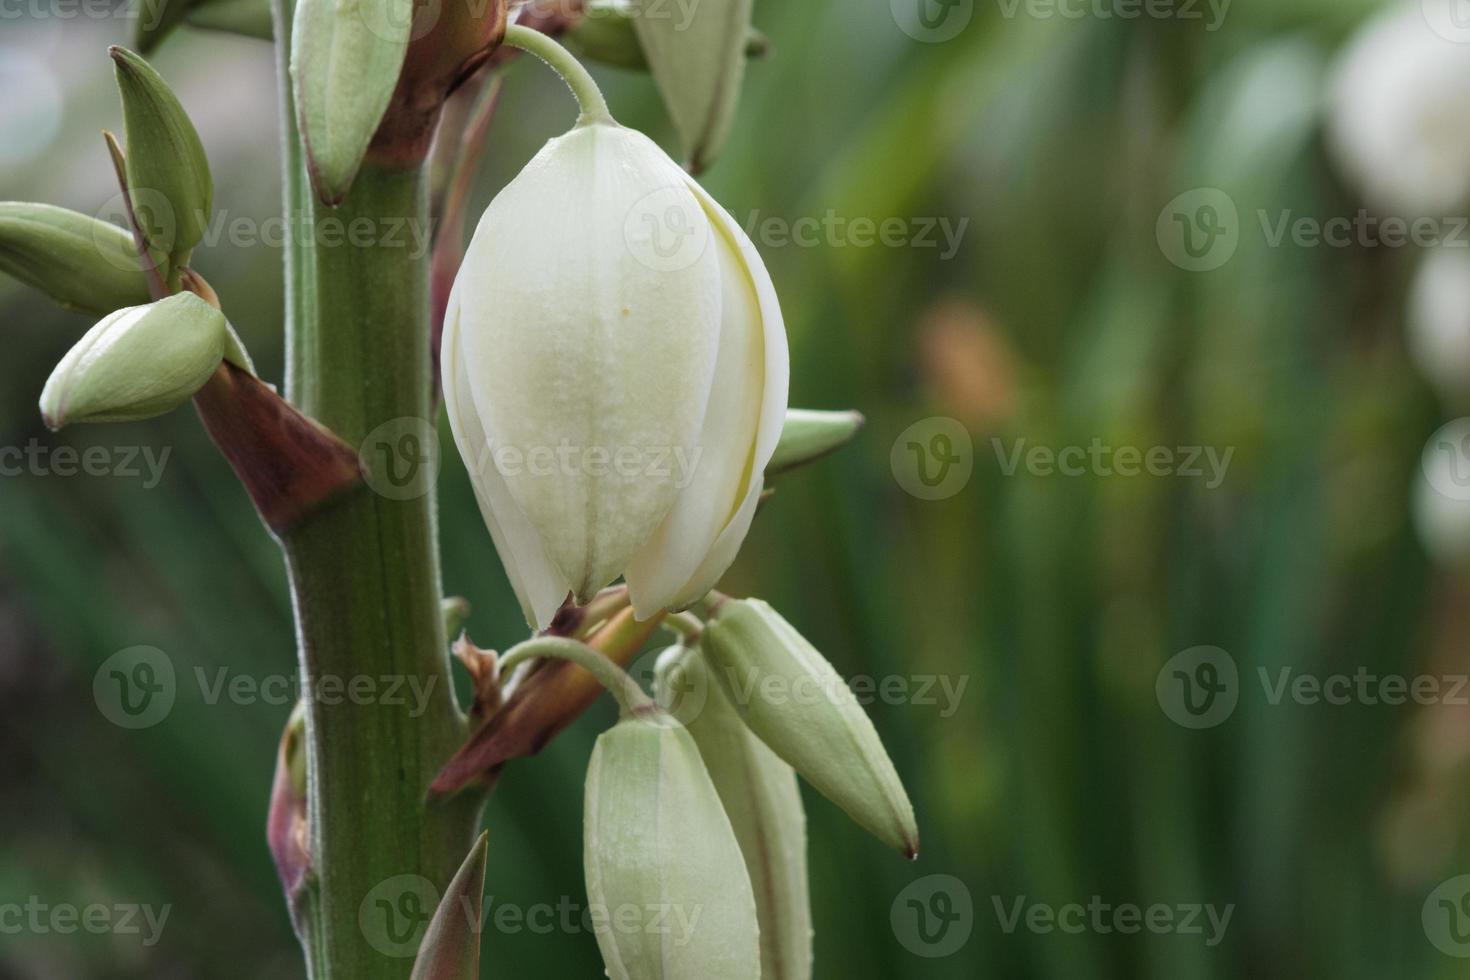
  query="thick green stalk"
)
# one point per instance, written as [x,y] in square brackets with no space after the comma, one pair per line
[365,579]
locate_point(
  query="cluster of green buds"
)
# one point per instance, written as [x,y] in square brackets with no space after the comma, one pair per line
[163,335]
[692,805]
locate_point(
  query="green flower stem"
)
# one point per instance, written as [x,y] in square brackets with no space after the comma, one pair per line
[631,699]
[364,576]
[589,96]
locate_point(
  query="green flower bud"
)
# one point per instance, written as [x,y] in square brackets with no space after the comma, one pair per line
[790,696]
[137,363]
[450,949]
[169,186]
[808,436]
[763,802]
[80,262]
[658,842]
[698,61]
[346,56]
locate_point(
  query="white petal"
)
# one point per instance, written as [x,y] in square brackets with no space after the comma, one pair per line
[589,357]
[537,585]
[699,540]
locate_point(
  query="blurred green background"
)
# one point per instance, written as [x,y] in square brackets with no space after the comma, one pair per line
[1057,777]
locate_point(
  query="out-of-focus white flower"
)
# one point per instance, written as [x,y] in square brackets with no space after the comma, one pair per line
[1398,106]
[1441,513]
[615,371]
[1439,320]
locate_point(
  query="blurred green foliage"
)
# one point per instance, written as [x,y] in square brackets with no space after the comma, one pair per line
[1055,601]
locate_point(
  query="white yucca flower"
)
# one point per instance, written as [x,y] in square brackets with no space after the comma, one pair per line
[615,371]
[1398,106]
[1439,321]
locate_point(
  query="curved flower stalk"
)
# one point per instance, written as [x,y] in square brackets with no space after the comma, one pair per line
[615,370]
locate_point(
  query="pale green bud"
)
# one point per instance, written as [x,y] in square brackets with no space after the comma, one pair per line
[697,57]
[137,363]
[346,56]
[763,802]
[658,842]
[789,695]
[809,435]
[450,949]
[80,262]
[169,186]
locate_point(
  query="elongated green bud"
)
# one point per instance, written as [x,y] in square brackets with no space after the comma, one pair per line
[789,695]
[658,843]
[809,435]
[80,262]
[346,56]
[169,186]
[137,363]
[763,802]
[697,58]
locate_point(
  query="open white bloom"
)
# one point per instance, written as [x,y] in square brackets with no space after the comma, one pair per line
[1398,105]
[1439,321]
[615,370]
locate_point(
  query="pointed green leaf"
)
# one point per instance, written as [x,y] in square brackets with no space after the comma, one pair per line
[346,56]
[169,185]
[451,946]
[697,56]
[80,262]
